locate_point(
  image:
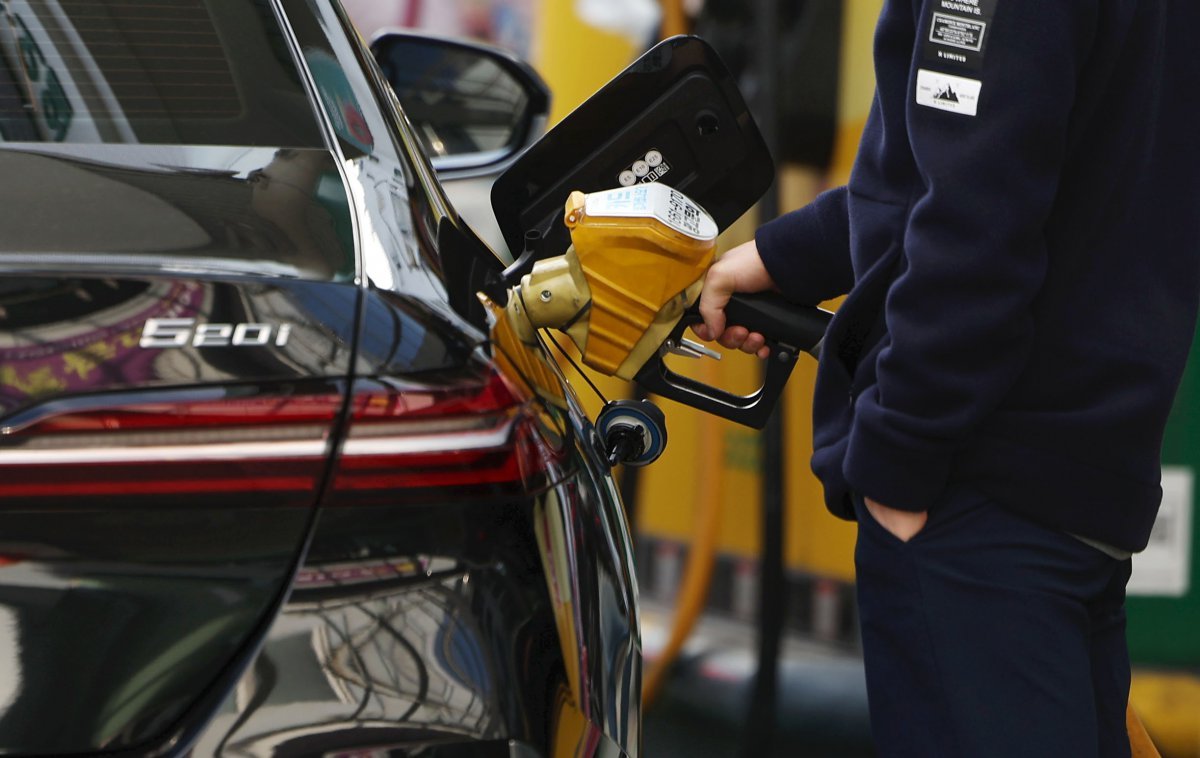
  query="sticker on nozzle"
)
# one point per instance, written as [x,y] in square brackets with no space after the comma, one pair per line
[668,205]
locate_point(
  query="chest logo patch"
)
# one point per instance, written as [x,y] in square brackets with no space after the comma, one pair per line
[958,32]
[948,93]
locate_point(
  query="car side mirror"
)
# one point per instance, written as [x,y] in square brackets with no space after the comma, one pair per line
[474,107]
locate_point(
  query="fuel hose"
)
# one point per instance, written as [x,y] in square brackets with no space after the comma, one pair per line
[701,557]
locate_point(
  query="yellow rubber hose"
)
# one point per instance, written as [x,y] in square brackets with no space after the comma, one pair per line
[1140,745]
[698,576]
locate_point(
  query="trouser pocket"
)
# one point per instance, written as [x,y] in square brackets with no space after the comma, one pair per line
[989,635]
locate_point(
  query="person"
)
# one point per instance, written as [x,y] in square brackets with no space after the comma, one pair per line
[1020,241]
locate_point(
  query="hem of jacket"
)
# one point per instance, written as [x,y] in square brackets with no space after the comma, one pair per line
[1084,500]
[1050,489]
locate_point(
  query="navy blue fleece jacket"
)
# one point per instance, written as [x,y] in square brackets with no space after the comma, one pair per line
[1020,238]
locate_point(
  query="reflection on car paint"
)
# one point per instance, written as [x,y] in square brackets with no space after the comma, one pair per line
[345,113]
[527,366]
[82,335]
[356,573]
[438,648]
[134,611]
[43,360]
[408,625]
[178,208]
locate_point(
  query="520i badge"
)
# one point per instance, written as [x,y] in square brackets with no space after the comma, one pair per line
[181,332]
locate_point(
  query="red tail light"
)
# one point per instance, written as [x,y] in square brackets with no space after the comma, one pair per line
[419,444]
[404,442]
[172,443]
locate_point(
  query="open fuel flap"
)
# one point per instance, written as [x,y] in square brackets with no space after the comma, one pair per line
[617,210]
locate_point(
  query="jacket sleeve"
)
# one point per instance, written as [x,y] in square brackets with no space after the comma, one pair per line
[807,251]
[960,315]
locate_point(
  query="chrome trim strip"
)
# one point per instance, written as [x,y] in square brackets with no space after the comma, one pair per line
[114,265]
[484,439]
[446,442]
[248,451]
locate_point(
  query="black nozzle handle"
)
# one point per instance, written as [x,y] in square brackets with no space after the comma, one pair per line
[789,329]
[783,323]
[800,327]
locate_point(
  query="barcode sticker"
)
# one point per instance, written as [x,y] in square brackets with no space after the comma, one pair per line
[668,205]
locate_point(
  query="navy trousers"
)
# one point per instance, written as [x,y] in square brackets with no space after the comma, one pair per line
[990,635]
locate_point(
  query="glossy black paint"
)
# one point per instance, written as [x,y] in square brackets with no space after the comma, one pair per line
[456,642]
[281,212]
[297,625]
[457,623]
[114,621]
[74,336]
[121,609]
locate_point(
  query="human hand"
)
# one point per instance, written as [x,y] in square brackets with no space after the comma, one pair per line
[904,525]
[739,270]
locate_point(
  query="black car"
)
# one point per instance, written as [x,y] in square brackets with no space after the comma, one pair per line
[266,486]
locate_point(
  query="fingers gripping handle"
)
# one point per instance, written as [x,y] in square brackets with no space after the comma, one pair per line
[785,325]
[789,330]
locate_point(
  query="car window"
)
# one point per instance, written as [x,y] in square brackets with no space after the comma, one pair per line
[167,72]
[384,158]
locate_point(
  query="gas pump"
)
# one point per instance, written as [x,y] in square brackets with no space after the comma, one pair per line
[624,292]
[650,169]
[617,210]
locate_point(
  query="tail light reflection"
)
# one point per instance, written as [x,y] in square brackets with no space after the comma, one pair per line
[405,443]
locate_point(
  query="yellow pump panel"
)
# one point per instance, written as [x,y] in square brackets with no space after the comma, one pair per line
[576,59]
[856,83]
[815,542]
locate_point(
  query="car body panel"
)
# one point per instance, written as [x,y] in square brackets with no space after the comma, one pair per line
[282,619]
[445,630]
[122,606]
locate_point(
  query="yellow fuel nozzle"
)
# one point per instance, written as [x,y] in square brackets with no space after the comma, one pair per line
[637,260]
[623,291]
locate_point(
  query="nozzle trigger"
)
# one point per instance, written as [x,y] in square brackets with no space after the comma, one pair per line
[789,330]
[688,349]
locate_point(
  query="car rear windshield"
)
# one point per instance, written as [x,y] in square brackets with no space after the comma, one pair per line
[163,72]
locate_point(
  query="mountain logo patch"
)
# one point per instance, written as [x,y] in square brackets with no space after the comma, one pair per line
[956,94]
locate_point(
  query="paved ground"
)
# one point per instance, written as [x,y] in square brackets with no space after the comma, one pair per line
[701,713]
